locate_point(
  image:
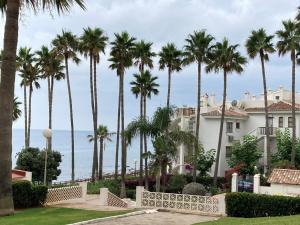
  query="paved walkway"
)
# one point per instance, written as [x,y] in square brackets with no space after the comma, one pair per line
[159,218]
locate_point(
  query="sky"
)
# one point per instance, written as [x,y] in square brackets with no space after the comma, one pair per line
[160,22]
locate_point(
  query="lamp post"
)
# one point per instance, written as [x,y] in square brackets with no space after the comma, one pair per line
[47,133]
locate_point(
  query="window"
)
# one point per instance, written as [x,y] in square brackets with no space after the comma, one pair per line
[277,97]
[237,125]
[228,151]
[270,121]
[229,127]
[280,121]
[290,122]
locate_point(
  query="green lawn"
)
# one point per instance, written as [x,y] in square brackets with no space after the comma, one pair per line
[53,216]
[283,220]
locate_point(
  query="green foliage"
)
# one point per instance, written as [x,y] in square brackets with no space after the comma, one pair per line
[246,154]
[194,189]
[32,159]
[205,160]
[26,195]
[176,184]
[284,148]
[130,193]
[257,205]
[112,185]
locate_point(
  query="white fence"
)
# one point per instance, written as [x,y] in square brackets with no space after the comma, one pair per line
[56,195]
[204,204]
[109,199]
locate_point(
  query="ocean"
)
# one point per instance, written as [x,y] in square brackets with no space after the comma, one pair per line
[61,142]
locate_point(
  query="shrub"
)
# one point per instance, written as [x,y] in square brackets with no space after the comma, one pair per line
[26,195]
[112,185]
[176,184]
[258,205]
[194,189]
[130,193]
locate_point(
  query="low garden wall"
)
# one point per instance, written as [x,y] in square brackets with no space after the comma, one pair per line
[109,199]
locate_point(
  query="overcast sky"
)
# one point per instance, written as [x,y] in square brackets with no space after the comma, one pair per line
[158,21]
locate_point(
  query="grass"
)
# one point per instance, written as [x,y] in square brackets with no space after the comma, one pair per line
[283,220]
[54,216]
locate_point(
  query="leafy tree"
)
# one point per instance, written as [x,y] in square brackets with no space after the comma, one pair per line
[289,42]
[33,160]
[224,57]
[246,154]
[205,160]
[260,44]
[197,48]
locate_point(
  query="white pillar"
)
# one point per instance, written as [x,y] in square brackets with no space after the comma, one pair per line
[234,182]
[256,184]
[83,185]
[181,159]
[138,195]
[104,196]
[265,154]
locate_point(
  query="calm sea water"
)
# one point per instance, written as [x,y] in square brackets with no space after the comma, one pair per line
[83,151]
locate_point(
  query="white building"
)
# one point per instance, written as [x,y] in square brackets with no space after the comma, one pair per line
[242,117]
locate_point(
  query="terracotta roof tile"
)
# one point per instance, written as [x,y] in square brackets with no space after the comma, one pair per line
[277,106]
[229,113]
[284,176]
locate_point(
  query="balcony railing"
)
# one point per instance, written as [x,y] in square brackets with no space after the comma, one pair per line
[263,130]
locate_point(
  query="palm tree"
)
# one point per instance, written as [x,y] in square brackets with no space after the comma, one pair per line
[16,109]
[165,135]
[52,70]
[92,43]
[259,43]
[65,48]
[143,56]
[102,135]
[24,58]
[8,70]
[197,48]
[170,57]
[224,57]
[289,41]
[121,58]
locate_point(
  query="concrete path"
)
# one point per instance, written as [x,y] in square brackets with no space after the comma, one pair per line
[159,218]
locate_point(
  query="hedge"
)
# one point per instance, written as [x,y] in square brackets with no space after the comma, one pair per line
[26,195]
[258,205]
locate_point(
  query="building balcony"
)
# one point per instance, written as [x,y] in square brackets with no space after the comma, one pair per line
[262,131]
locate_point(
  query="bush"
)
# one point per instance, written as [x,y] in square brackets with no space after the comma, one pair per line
[176,184]
[26,195]
[112,185]
[258,205]
[206,181]
[130,193]
[194,189]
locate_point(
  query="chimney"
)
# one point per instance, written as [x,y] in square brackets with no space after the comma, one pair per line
[247,95]
[253,98]
[205,100]
[213,99]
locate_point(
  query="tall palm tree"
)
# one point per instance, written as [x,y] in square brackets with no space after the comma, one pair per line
[103,135]
[16,109]
[8,70]
[165,136]
[121,58]
[143,56]
[224,57]
[170,57]
[52,70]
[289,41]
[65,48]
[259,43]
[196,50]
[92,43]
[25,57]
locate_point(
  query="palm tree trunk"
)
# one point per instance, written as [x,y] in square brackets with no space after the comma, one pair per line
[197,123]
[123,142]
[164,177]
[220,131]
[141,144]
[118,133]
[71,120]
[8,73]
[95,111]
[26,116]
[50,109]
[293,154]
[169,87]
[145,146]
[266,112]
[157,180]
[29,114]
[101,159]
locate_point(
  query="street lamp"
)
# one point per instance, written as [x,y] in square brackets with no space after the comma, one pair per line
[47,133]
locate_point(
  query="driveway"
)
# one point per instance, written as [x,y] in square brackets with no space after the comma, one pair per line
[159,218]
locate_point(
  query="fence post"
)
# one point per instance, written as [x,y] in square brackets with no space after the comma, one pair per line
[83,186]
[256,184]
[138,195]
[234,182]
[104,196]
